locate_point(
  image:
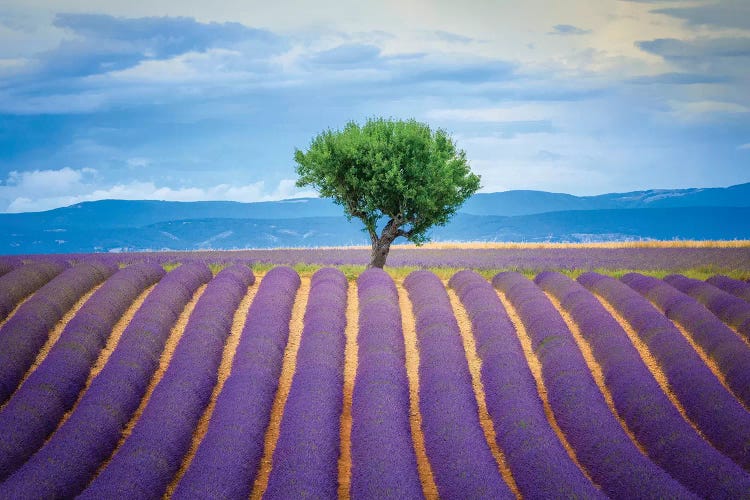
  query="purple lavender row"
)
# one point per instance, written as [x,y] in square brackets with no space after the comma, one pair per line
[461,460]
[730,309]
[721,418]
[22,282]
[36,408]
[737,288]
[540,465]
[722,345]
[229,455]
[27,330]
[152,454]
[384,464]
[68,460]
[7,264]
[667,438]
[305,460]
[600,443]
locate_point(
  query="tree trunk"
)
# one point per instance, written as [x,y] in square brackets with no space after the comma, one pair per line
[379,253]
[382,245]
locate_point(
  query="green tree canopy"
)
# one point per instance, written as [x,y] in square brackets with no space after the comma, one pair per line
[393,171]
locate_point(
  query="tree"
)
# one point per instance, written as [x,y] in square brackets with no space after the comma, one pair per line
[397,172]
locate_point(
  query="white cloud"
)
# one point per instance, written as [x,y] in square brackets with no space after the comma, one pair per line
[509,113]
[744,146]
[138,162]
[43,190]
[705,110]
[43,182]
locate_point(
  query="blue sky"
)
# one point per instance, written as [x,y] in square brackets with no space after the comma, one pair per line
[188,100]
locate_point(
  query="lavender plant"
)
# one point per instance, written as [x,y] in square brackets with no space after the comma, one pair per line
[667,438]
[737,288]
[540,465]
[611,458]
[25,333]
[68,460]
[460,457]
[24,281]
[148,459]
[38,405]
[229,455]
[384,464]
[732,310]
[8,263]
[305,460]
[721,345]
[721,418]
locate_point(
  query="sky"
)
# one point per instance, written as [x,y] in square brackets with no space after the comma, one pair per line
[192,100]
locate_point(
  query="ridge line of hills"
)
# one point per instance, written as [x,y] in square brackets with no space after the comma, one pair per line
[119,225]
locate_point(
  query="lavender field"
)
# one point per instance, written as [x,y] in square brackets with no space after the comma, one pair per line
[234,375]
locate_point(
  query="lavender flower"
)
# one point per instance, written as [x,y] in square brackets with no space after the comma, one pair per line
[38,405]
[540,465]
[611,458]
[721,418]
[26,332]
[24,281]
[738,288]
[68,460]
[228,458]
[667,438]
[732,310]
[152,454]
[729,352]
[384,464]
[460,457]
[305,460]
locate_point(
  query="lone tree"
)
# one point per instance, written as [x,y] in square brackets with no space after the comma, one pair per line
[400,172]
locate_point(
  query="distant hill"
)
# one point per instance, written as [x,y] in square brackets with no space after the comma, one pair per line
[117,225]
[535,202]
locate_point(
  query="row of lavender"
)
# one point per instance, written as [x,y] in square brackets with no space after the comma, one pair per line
[230,453]
[675,259]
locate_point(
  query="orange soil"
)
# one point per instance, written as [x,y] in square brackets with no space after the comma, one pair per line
[225,367]
[536,370]
[350,372]
[296,324]
[429,488]
[475,367]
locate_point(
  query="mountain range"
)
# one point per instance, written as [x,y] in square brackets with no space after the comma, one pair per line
[123,225]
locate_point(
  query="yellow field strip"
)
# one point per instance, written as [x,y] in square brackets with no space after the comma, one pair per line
[536,370]
[649,361]
[710,363]
[296,325]
[429,488]
[166,356]
[350,373]
[475,368]
[53,337]
[225,367]
[594,367]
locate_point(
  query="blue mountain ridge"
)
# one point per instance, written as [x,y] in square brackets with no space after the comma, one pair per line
[121,225]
